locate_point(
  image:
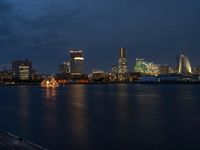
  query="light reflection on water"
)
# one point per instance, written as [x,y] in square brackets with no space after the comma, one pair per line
[50,93]
[105,116]
[50,109]
[122,100]
[24,104]
[149,108]
[78,114]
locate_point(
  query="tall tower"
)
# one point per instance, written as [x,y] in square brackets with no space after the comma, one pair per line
[77,60]
[122,64]
[184,65]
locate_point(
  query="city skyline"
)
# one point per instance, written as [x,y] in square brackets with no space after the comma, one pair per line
[75,63]
[99,74]
[156,30]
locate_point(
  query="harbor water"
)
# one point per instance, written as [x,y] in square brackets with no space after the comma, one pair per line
[104,116]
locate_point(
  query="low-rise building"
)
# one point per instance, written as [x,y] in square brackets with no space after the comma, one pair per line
[5,76]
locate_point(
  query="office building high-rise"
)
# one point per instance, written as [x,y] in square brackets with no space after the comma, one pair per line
[77,61]
[122,64]
[22,69]
[65,68]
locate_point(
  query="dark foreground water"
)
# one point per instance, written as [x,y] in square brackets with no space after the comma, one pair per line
[97,117]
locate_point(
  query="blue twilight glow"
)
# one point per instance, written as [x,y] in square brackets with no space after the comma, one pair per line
[43,31]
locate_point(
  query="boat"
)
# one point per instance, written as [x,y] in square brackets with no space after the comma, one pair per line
[49,83]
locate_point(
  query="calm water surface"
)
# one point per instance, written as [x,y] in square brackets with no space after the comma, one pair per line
[97,117]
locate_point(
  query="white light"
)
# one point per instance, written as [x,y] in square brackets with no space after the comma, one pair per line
[78,58]
[80,51]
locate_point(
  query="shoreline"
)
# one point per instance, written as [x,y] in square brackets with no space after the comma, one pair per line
[38,84]
[11,141]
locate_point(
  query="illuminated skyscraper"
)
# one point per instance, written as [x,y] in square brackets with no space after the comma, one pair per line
[122,64]
[184,65]
[77,61]
[22,70]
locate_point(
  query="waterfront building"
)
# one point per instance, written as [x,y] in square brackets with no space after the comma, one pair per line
[65,68]
[133,76]
[38,76]
[98,75]
[5,75]
[183,65]
[153,69]
[140,66]
[77,61]
[22,69]
[172,70]
[196,70]
[122,64]
[114,71]
[163,69]
[145,67]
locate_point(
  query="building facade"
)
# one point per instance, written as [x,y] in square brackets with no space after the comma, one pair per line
[77,62]
[184,66]
[5,75]
[22,69]
[140,65]
[65,68]
[196,70]
[122,64]
[145,67]
[164,69]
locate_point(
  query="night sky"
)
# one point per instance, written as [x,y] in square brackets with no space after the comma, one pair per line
[45,30]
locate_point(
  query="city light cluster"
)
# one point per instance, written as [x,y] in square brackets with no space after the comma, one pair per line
[72,71]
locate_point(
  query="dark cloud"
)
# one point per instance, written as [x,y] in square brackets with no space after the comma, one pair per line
[4,7]
[51,28]
[156,30]
[5,10]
